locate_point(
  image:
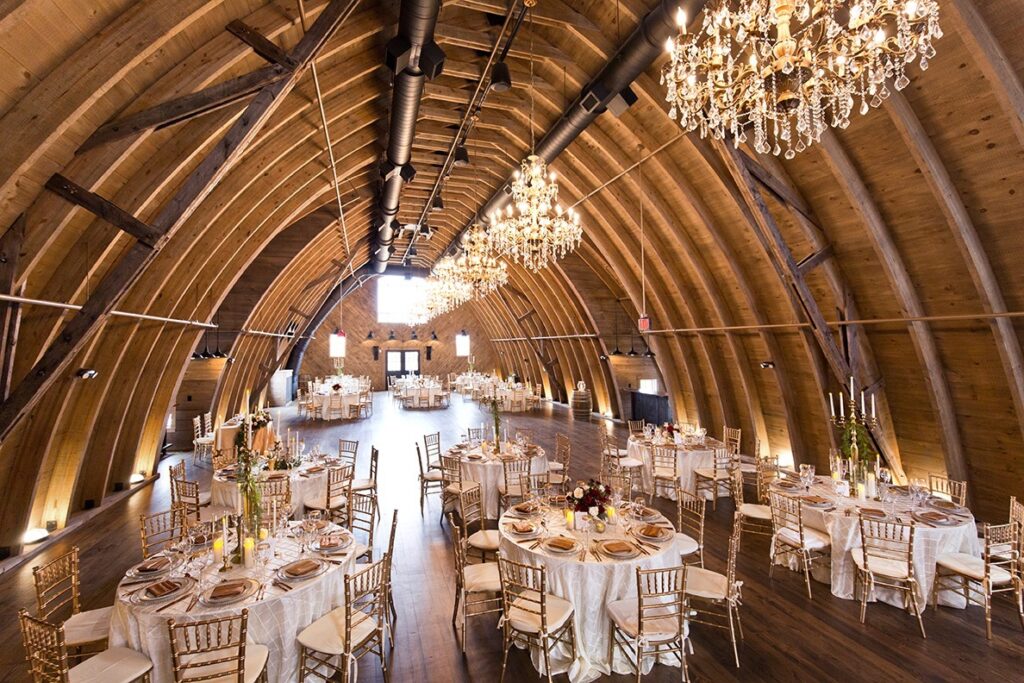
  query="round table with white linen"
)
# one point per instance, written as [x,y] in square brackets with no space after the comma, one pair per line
[840,521]
[415,393]
[262,439]
[322,403]
[590,585]
[274,621]
[488,471]
[688,459]
[307,482]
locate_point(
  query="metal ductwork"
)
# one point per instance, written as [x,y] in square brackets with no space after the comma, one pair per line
[609,88]
[413,58]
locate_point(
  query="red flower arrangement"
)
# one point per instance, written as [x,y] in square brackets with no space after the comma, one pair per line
[588,495]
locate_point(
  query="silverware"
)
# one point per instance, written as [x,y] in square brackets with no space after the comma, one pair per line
[174,602]
[283,586]
[642,549]
[192,604]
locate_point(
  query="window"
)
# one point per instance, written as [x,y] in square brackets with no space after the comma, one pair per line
[401,299]
[462,345]
[648,386]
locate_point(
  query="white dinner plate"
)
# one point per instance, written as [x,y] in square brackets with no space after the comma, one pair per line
[284,576]
[624,555]
[559,551]
[251,586]
[142,597]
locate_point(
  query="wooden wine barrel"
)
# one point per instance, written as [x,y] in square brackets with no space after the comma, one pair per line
[581,405]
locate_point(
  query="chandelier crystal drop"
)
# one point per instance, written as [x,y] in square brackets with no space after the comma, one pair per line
[784,70]
[446,290]
[535,230]
[480,264]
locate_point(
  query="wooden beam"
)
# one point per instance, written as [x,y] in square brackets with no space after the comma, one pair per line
[260,44]
[185,107]
[304,316]
[771,182]
[10,251]
[903,286]
[967,239]
[993,62]
[812,261]
[103,208]
[119,279]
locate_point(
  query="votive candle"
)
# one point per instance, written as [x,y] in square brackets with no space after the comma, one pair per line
[249,552]
[218,550]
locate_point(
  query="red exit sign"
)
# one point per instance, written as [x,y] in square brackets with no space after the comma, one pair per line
[644,323]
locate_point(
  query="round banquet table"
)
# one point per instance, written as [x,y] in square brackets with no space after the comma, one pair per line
[688,459]
[842,524]
[262,439]
[416,392]
[274,621]
[590,585]
[489,473]
[322,404]
[307,482]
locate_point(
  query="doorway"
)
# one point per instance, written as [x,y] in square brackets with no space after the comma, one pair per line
[401,363]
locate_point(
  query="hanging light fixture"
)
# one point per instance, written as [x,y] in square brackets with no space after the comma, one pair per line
[535,229]
[337,342]
[787,69]
[501,77]
[479,264]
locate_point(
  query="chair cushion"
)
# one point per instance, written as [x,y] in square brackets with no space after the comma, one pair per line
[748,468]
[433,475]
[556,479]
[813,539]
[204,498]
[704,583]
[210,513]
[482,577]
[87,627]
[971,566]
[327,634]
[525,620]
[711,473]
[754,511]
[515,491]
[880,566]
[665,472]
[630,462]
[456,489]
[204,440]
[555,466]
[364,484]
[486,539]
[686,545]
[319,502]
[625,614]
[116,665]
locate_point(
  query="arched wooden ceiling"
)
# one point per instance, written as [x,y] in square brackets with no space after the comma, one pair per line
[912,212]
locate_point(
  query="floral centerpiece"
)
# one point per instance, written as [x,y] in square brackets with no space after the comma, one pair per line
[669,428]
[495,407]
[590,495]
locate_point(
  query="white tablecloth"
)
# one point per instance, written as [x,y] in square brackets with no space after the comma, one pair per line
[322,405]
[274,621]
[589,586]
[490,473]
[688,459]
[929,543]
[224,492]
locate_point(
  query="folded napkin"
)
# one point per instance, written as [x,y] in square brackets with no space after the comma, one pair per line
[162,588]
[651,531]
[562,543]
[153,565]
[943,504]
[647,512]
[523,527]
[301,568]
[814,500]
[314,469]
[277,475]
[331,541]
[229,589]
[200,539]
[617,547]
[872,512]
[931,516]
[525,508]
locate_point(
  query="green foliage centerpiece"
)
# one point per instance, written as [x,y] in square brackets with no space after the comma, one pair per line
[495,406]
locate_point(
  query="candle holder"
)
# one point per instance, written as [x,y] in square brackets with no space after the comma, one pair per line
[854,420]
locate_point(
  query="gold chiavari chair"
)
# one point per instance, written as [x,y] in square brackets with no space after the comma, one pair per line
[979,579]
[202,445]
[471,512]
[653,623]
[475,434]
[335,406]
[207,424]
[46,651]
[195,505]
[608,446]
[666,470]
[944,487]
[332,645]
[526,434]
[432,449]
[767,472]
[619,480]
[452,483]
[430,479]
[1016,512]
[731,438]
[714,598]
[58,595]
[392,612]
[791,537]
[301,404]
[336,499]
[886,558]
[477,587]
[748,465]
[511,486]
[216,649]
[369,483]
[275,493]
[177,470]
[690,526]
[363,517]
[365,403]
[636,427]
[752,518]
[533,617]
[355,411]
[717,478]
[309,406]
[347,451]
[517,401]
[423,400]
[160,530]
[558,469]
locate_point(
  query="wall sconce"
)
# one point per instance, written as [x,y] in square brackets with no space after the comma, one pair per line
[391,335]
[34,535]
[86,373]
[137,478]
[369,335]
[414,336]
[767,364]
[433,335]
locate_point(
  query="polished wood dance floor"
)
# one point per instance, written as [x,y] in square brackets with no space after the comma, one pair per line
[788,637]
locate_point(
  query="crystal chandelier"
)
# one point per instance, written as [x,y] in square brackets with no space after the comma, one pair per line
[446,290]
[788,68]
[479,264]
[535,229]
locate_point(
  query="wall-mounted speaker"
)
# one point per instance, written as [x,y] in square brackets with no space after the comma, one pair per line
[429,352]
[376,353]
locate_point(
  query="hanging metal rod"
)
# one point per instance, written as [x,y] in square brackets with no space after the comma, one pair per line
[553,336]
[951,317]
[121,314]
[279,335]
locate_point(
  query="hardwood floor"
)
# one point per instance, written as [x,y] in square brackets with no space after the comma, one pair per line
[788,637]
